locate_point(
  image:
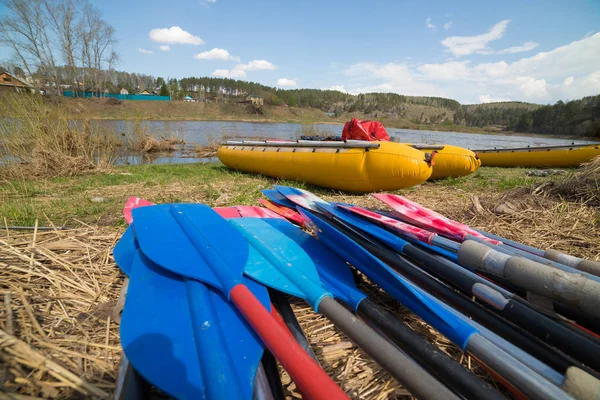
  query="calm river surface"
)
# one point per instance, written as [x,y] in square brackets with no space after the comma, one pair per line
[205,132]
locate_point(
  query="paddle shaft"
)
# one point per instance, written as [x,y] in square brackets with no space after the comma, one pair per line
[436,362]
[536,348]
[526,373]
[269,365]
[536,323]
[287,316]
[403,368]
[305,372]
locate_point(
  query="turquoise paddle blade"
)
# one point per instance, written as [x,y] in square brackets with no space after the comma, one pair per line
[334,272]
[278,262]
[158,336]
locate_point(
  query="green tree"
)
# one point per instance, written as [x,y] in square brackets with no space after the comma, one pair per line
[164,91]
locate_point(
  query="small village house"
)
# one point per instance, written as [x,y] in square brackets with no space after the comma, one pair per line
[124,91]
[11,84]
[146,92]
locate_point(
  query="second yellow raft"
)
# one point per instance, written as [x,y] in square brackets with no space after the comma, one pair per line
[548,156]
[450,161]
[351,166]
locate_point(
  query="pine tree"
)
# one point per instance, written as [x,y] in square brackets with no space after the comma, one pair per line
[164,91]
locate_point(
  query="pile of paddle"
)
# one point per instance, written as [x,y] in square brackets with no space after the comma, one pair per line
[199,319]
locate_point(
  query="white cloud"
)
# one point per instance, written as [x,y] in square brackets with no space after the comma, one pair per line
[339,88]
[445,72]
[486,98]
[448,25]
[527,46]
[566,72]
[465,45]
[256,65]
[285,82]
[216,54]
[174,35]
[428,24]
[144,51]
[229,73]
[165,48]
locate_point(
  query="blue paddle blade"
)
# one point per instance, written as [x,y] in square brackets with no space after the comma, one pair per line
[335,274]
[278,262]
[192,240]
[158,335]
[278,198]
[125,251]
[299,197]
[399,288]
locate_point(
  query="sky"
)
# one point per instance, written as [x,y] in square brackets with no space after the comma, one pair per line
[537,51]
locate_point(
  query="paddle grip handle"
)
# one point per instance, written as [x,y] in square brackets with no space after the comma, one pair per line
[306,373]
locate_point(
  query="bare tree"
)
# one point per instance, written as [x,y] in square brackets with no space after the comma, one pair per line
[64,16]
[46,34]
[25,30]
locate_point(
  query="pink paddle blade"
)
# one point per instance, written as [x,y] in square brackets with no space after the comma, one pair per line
[285,212]
[227,212]
[415,214]
[406,230]
[256,212]
[134,202]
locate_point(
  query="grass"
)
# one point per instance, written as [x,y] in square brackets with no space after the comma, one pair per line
[64,199]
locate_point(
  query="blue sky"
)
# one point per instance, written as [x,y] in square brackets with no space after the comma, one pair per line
[473,51]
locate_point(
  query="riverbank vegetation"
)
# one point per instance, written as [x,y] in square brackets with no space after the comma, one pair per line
[38,139]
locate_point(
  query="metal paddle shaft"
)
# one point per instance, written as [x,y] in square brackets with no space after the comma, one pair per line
[533,384]
[293,272]
[436,361]
[337,277]
[547,330]
[195,242]
[406,370]
[572,289]
[289,319]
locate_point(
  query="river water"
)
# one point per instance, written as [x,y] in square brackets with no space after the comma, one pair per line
[206,132]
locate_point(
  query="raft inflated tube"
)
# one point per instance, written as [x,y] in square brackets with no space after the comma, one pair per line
[549,156]
[450,160]
[573,290]
[367,168]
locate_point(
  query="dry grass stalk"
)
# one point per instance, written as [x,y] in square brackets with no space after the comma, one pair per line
[59,307]
[583,186]
[41,141]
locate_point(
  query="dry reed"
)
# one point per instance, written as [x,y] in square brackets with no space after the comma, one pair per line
[42,141]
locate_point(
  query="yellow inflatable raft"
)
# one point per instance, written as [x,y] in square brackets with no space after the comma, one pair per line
[353,166]
[549,156]
[450,160]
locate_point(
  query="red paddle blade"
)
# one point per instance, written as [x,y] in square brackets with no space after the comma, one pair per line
[227,212]
[285,212]
[407,230]
[134,202]
[415,214]
[256,212]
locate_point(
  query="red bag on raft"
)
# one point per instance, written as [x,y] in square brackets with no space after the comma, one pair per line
[364,130]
